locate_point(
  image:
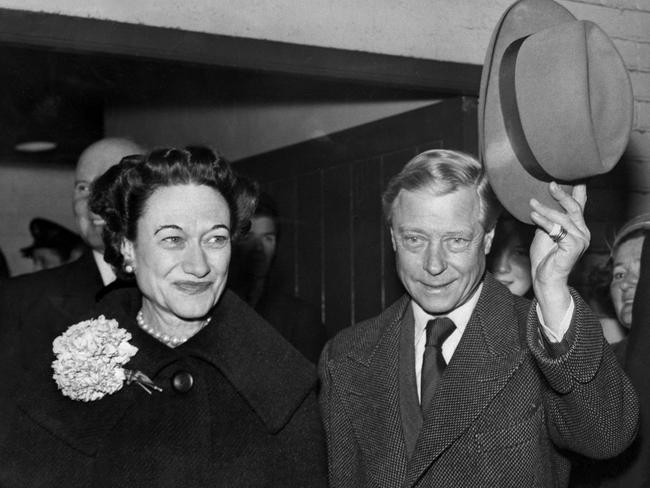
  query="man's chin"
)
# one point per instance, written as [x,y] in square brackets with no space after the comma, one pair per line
[435,307]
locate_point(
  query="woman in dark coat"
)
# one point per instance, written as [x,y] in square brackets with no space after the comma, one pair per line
[176,382]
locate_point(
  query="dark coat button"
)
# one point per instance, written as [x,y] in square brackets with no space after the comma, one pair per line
[182,381]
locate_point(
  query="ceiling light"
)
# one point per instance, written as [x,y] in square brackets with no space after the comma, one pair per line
[35,146]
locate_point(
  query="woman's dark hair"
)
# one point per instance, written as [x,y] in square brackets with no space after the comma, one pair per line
[119,196]
[597,292]
[508,231]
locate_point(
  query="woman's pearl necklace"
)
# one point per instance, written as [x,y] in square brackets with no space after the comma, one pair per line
[170,340]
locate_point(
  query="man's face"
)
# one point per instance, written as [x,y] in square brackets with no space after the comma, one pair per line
[258,247]
[625,275]
[93,162]
[440,246]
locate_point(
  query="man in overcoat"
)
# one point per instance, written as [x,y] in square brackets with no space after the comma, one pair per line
[498,390]
[63,292]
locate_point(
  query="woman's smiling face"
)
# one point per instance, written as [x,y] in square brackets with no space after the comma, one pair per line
[626,263]
[182,251]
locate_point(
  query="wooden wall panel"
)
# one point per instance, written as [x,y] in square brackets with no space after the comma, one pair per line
[337,232]
[367,231]
[310,239]
[335,248]
[284,267]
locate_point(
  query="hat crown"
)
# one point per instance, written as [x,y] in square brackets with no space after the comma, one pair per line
[555,104]
[574,100]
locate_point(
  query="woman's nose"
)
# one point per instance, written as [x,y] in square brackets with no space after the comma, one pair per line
[631,279]
[195,262]
[502,264]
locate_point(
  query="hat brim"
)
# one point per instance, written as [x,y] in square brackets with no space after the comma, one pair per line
[513,185]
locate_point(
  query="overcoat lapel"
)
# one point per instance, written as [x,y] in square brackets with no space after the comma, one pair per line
[369,380]
[82,425]
[485,359]
[409,400]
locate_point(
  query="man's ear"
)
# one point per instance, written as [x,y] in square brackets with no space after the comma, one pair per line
[487,241]
[393,239]
[128,251]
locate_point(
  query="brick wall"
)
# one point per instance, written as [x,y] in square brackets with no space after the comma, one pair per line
[625,192]
[627,22]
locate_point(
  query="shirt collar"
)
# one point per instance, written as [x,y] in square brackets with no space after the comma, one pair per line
[460,315]
[105,270]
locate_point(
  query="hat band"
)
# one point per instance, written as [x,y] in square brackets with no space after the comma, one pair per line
[510,112]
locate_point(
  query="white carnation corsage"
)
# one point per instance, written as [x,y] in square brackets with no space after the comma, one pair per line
[89,362]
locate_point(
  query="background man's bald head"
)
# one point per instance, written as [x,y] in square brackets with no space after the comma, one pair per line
[103,154]
[92,163]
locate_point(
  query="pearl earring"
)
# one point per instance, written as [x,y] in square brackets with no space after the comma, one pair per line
[128,268]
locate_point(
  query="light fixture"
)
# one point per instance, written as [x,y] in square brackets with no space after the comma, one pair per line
[35,146]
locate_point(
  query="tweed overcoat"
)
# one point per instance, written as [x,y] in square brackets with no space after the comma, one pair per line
[249,419]
[505,412]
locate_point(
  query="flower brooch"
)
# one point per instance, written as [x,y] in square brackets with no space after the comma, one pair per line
[90,356]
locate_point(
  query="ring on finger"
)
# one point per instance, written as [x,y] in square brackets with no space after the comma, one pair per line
[557,233]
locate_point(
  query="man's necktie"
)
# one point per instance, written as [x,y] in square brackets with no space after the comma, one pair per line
[433,363]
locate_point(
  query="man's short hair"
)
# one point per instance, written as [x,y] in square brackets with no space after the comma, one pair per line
[444,171]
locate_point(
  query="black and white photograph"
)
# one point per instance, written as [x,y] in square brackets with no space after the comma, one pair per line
[337,244]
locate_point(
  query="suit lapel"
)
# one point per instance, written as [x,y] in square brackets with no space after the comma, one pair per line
[409,400]
[486,357]
[370,384]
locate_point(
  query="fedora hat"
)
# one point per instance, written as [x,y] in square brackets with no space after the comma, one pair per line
[555,104]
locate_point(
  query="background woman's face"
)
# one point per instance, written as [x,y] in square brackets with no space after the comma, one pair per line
[625,275]
[510,265]
[182,251]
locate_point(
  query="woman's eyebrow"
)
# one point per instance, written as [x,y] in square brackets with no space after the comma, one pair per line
[169,226]
[220,226]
